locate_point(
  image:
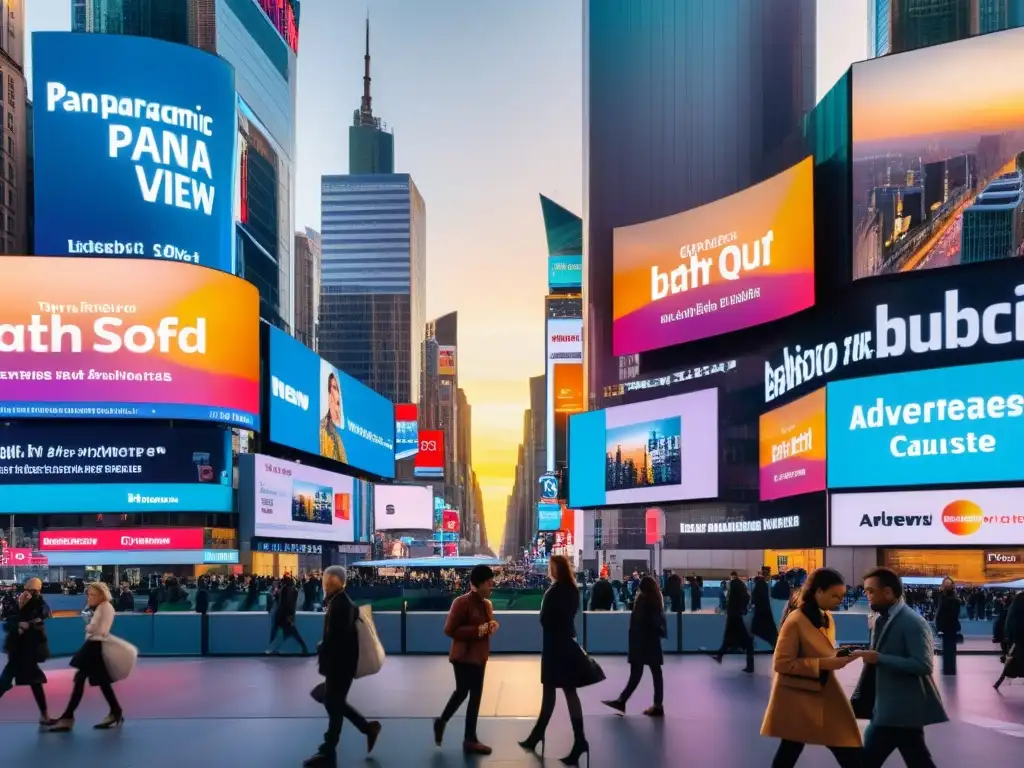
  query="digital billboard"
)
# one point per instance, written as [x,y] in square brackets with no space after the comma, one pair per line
[960,517]
[131,165]
[565,272]
[950,425]
[298,502]
[103,338]
[123,539]
[549,516]
[407,430]
[936,176]
[791,448]
[316,408]
[564,381]
[740,261]
[446,361]
[403,507]
[658,450]
[429,460]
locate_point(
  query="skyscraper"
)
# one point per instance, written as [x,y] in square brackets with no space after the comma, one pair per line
[307,285]
[14,142]
[895,26]
[371,148]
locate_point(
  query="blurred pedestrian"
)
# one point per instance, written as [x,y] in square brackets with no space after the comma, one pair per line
[27,647]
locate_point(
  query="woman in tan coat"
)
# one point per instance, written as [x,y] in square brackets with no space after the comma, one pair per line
[808,705]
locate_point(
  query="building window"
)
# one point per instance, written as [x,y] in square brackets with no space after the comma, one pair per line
[10,145]
[10,121]
[10,224]
[10,90]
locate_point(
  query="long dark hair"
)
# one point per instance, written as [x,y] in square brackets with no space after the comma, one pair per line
[561,571]
[823,579]
[649,590]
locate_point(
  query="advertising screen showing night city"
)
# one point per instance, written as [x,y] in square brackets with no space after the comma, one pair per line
[643,455]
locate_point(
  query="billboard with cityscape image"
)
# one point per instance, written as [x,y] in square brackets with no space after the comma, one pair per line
[643,455]
[938,150]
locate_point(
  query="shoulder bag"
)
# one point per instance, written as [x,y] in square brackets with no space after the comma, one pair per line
[371,652]
[119,657]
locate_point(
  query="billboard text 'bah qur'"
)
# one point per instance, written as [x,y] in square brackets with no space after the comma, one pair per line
[106,338]
[740,261]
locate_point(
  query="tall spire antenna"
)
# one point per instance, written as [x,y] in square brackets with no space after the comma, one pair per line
[366,109]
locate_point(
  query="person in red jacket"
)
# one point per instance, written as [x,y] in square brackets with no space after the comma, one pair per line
[470,625]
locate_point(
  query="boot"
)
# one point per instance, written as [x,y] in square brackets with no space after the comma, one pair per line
[580,746]
[531,742]
[749,669]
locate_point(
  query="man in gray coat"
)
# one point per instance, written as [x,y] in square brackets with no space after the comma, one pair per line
[896,688]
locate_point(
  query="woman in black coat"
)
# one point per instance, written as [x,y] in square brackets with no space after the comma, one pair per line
[26,647]
[1014,637]
[562,659]
[647,627]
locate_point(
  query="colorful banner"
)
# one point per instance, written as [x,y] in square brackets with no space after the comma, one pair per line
[549,516]
[949,425]
[565,273]
[446,361]
[407,430]
[105,338]
[791,442]
[961,518]
[318,409]
[125,498]
[451,522]
[20,557]
[741,261]
[564,382]
[430,458]
[122,540]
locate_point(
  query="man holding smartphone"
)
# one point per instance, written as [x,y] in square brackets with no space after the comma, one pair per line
[470,625]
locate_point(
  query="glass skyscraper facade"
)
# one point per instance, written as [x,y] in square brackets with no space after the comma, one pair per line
[896,26]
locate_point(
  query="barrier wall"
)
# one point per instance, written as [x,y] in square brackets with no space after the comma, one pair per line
[248,633]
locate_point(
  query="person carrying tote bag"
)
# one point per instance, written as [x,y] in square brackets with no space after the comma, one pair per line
[371,652]
[91,664]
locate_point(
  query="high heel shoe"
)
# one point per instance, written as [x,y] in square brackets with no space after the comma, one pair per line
[64,725]
[530,744]
[579,749]
[110,721]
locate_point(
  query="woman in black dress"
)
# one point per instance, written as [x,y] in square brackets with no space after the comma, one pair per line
[562,659]
[26,647]
[647,627]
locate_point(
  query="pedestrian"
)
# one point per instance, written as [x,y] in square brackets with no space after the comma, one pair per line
[470,624]
[647,628]
[284,617]
[27,647]
[762,620]
[736,635]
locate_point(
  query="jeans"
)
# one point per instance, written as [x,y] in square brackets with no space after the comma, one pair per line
[469,682]
[79,690]
[636,672]
[789,752]
[882,740]
[338,710]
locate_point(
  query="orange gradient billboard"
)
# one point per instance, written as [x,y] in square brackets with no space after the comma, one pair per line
[740,261]
[791,442]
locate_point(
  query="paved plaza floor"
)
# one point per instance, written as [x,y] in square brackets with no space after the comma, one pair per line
[249,713]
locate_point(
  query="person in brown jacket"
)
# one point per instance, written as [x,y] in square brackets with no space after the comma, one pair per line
[470,625]
[808,704]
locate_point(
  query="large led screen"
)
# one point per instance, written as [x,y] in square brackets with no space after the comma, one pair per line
[936,137]
[128,164]
[105,338]
[294,501]
[734,263]
[403,507]
[659,450]
[564,381]
[791,447]
[950,425]
[961,517]
[316,408]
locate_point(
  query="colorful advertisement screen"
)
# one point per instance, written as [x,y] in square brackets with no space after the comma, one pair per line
[659,450]
[936,177]
[104,338]
[791,447]
[948,425]
[316,408]
[403,507]
[565,272]
[429,460]
[302,503]
[962,518]
[741,261]
[446,361]
[131,165]
[564,382]
[407,430]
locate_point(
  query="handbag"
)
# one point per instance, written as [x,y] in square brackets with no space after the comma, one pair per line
[119,657]
[371,652]
[588,671]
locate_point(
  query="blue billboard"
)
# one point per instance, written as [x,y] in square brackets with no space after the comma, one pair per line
[947,425]
[549,516]
[565,272]
[134,143]
[316,408]
[127,498]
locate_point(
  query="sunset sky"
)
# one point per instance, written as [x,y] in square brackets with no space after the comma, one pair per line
[485,99]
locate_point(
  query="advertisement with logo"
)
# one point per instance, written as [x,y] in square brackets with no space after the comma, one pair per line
[451,524]
[407,430]
[658,450]
[791,448]
[800,524]
[936,177]
[403,507]
[950,425]
[316,408]
[430,458]
[298,502]
[926,319]
[127,164]
[133,546]
[548,483]
[446,361]
[565,272]
[564,381]
[549,516]
[979,517]
[100,338]
[741,261]
[21,557]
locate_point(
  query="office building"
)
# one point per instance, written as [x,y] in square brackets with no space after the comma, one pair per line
[14,139]
[259,38]
[895,26]
[993,226]
[684,103]
[307,285]
[521,509]
[371,147]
